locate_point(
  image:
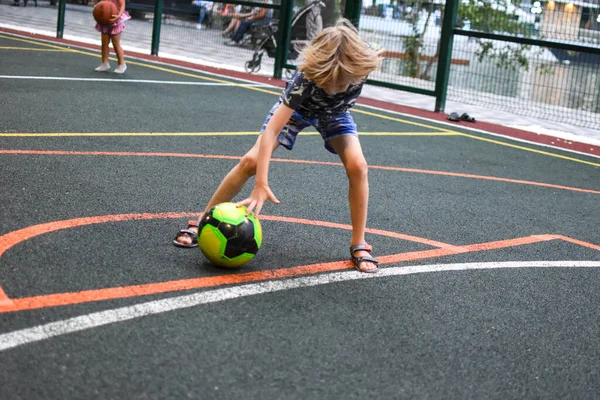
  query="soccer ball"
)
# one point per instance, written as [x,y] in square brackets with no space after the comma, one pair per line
[228,237]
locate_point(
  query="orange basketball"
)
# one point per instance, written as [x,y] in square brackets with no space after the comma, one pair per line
[104,11]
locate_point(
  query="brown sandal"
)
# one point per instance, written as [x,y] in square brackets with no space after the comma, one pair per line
[357,260]
[193,235]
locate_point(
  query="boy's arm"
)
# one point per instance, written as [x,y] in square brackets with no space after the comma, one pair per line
[280,117]
[261,191]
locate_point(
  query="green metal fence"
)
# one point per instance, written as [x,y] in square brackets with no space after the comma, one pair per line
[540,58]
[544,62]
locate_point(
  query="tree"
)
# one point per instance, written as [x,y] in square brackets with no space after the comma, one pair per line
[490,16]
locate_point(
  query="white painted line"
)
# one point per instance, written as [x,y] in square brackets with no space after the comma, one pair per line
[191,83]
[454,127]
[76,324]
[127,47]
[432,122]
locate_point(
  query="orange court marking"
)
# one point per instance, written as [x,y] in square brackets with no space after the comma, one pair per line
[12,238]
[441,249]
[510,243]
[61,299]
[337,164]
[419,255]
[579,242]
[4,300]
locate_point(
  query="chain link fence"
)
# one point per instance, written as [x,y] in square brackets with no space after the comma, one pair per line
[543,81]
[506,55]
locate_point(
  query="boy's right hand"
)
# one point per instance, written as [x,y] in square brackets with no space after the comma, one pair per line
[260,194]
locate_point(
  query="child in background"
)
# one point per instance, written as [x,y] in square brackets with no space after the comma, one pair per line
[320,94]
[112,32]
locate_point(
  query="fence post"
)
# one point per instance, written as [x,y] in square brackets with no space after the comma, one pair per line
[156,23]
[60,25]
[445,56]
[352,11]
[283,37]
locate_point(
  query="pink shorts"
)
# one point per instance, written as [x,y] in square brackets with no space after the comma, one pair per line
[115,28]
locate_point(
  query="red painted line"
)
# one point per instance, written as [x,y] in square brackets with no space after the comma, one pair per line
[418,255]
[117,154]
[62,299]
[381,232]
[579,242]
[4,300]
[489,178]
[508,132]
[509,243]
[501,130]
[12,238]
[337,164]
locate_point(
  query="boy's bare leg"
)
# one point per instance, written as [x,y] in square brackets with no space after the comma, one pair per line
[350,152]
[232,184]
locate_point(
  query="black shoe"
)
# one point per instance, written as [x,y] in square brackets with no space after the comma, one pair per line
[467,117]
[454,117]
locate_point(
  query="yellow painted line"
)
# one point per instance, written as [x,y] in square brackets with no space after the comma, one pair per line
[173,71]
[81,134]
[182,73]
[150,66]
[446,131]
[90,134]
[404,121]
[29,48]
[407,133]
[16,39]
[546,153]
[450,132]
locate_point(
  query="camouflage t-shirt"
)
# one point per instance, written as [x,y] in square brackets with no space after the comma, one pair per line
[305,97]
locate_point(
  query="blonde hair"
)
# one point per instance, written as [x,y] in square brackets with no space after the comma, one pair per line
[339,55]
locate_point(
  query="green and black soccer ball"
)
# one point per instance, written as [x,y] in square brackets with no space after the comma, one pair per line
[228,237]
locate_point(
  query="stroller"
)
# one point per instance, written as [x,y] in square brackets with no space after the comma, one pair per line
[307,23]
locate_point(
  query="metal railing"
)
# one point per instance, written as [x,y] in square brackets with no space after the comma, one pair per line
[538,59]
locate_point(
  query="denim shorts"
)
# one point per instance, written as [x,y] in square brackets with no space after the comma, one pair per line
[329,126]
